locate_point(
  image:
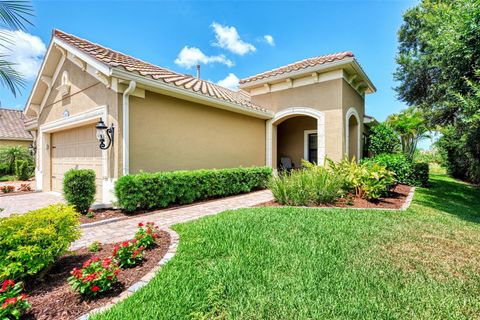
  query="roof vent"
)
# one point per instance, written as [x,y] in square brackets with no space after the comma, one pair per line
[198,71]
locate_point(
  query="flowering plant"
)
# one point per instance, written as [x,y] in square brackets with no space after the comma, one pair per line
[7,189]
[24,187]
[147,234]
[128,254]
[96,276]
[12,303]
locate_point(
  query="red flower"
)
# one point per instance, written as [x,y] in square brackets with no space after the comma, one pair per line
[140,224]
[141,248]
[90,277]
[9,301]
[134,241]
[95,288]
[87,263]
[125,243]
[156,227]
[23,296]
[95,259]
[116,249]
[109,277]
[135,253]
[7,283]
[149,231]
[106,262]
[116,272]
[77,273]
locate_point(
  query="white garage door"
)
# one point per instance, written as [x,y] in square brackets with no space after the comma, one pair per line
[76,148]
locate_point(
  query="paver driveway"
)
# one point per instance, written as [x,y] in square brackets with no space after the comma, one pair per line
[125,229]
[22,203]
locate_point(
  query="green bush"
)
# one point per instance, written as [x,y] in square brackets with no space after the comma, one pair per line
[406,172]
[23,170]
[421,173]
[10,154]
[161,189]
[79,188]
[383,139]
[310,186]
[4,170]
[367,180]
[31,242]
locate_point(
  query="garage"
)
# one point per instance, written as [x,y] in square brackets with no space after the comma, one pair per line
[75,148]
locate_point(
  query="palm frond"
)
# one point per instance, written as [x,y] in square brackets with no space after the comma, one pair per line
[11,78]
[15,14]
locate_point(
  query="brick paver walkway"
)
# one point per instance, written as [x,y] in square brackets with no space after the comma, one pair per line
[21,203]
[125,229]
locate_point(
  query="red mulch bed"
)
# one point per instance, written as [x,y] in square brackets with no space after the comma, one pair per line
[53,298]
[395,200]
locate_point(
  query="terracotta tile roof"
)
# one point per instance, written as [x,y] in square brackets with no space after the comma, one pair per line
[12,126]
[310,62]
[116,59]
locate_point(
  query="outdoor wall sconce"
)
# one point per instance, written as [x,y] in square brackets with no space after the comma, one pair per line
[103,130]
[32,149]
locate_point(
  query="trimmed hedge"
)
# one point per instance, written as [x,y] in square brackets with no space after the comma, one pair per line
[161,189]
[406,172]
[31,242]
[79,188]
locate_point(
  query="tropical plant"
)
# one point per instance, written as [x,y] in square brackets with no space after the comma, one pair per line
[383,139]
[368,180]
[410,125]
[10,154]
[14,15]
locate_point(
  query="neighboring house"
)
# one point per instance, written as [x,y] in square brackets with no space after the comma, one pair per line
[12,129]
[165,120]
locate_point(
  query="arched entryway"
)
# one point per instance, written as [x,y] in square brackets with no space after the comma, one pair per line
[295,134]
[352,134]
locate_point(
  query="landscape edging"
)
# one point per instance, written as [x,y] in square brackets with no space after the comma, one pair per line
[172,249]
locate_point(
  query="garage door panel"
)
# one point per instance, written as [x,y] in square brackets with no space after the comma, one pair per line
[76,148]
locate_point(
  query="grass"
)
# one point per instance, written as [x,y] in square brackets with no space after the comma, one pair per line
[291,263]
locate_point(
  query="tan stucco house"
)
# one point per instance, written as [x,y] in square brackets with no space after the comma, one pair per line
[12,129]
[164,120]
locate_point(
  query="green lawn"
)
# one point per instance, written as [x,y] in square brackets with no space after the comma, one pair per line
[286,263]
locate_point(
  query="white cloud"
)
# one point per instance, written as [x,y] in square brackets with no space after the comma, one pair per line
[228,38]
[191,56]
[26,51]
[230,82]
[269,39]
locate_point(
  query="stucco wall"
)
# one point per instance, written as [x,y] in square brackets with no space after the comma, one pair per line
[4,143]
[291,133]
[172,134]
[86,93]
[351,98]
[324,96]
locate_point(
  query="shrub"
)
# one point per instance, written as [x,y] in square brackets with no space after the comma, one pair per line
[406,172]
[95,246]
[367,180]
[12,301]
[31,242]
[128,254]
[383,139]
[4,169]
[398,163]
[10,154]
[161,189]
[421,173]
[96,276]
[79,188]
[312,185]
[146,235]
[22,170]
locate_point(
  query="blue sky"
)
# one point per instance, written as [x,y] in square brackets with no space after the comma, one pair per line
[158,31]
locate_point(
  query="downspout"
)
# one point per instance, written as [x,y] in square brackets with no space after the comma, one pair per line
[126,123]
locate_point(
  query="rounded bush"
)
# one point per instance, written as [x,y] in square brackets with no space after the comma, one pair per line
[79,188]
[383,139]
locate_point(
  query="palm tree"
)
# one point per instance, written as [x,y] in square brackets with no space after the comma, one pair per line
[411,126]
[14,15]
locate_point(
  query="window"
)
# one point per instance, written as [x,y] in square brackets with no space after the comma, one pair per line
[310,146]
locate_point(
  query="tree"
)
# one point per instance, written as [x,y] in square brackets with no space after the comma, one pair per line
[438,55]
[383,139]
[11,154]
[410,125]
[14,15]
